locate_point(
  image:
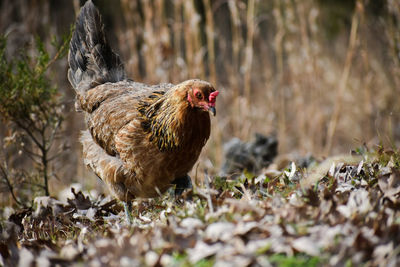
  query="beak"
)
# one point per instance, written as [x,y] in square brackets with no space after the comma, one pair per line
[212,110]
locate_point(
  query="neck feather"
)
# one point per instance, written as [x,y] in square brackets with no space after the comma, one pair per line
[173,124]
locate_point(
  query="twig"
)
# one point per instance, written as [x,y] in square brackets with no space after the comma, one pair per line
[55,156]
[210,40]
[53,133]
[235,28]
[248,59]
[280,106]
[9,185]
[56,57]
[245,192]
[210,205]
[37,143]
[344,78]
[32,155]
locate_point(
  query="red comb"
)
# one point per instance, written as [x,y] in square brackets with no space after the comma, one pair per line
[212,98]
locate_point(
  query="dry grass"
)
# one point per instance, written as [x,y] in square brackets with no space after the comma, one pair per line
[277,67]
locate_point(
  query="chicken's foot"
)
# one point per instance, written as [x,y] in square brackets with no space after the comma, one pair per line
[182,183]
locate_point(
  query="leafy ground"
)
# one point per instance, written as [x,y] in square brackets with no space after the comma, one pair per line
[343,211]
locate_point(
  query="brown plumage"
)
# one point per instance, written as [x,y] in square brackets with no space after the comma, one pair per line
[140,138]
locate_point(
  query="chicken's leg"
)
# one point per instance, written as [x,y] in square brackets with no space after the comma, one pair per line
[128,211]
[182,183]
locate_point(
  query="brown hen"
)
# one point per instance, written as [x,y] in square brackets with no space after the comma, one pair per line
[141,139]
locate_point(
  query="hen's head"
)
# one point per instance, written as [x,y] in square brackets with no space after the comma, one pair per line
[201,95]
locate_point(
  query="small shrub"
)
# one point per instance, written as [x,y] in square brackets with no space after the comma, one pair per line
[32,109]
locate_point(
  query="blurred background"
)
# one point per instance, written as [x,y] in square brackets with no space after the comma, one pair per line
[322,76]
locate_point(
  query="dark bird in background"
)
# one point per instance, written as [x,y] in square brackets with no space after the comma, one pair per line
[251,156]
[140,139]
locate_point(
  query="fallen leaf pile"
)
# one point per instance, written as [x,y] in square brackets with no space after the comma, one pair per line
[349,216]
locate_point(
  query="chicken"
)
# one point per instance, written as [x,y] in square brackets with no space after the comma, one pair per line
[251,156]
[140,139]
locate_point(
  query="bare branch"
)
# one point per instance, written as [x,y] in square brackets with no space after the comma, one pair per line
[29,133]
[10,187]
[53,134]
[55,156]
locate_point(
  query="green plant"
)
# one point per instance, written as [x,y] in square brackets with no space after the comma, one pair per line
[296,260]
[32,108]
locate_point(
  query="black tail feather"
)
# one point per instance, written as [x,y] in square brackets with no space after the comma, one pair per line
[91,59]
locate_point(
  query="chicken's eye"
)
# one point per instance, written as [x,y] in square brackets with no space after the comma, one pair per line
[199,95]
